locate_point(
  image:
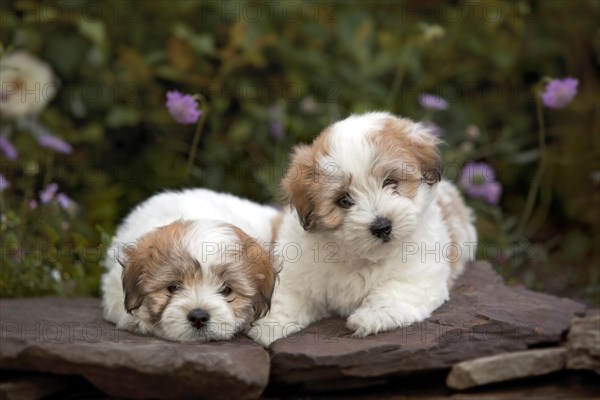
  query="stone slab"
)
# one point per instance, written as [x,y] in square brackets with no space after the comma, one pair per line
[584,342]
[69,336]
[505,367]
[483,317]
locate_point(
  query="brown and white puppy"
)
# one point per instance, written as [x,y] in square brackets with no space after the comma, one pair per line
[191,279]
[380,236]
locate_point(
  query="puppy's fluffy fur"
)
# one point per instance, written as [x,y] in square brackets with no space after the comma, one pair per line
[379,237]
[190,266]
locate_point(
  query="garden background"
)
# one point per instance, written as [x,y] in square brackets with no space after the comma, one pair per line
[83,150]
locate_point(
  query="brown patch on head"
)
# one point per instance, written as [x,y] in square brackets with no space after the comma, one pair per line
[155,262]
[328,215]
[259,270]
[407,156]
[309,186]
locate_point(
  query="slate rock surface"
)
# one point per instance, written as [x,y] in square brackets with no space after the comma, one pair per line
[483,317]
[69,336]
[506,366]
[584,343]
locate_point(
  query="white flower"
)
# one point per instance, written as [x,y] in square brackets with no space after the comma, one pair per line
[433,33]
[26,85]
[56,275]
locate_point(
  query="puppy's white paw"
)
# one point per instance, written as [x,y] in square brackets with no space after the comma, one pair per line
[372,320]
[256,333]
[266,332]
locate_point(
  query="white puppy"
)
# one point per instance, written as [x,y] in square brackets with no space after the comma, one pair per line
[190,266]
[372,233]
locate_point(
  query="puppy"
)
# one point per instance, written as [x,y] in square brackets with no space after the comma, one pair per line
[377,236]
[190,266]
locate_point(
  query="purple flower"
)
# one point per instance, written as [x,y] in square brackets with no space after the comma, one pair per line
[33,204]
[183,107]
[479,182]
[4,184]
[558,93]
[432,102]
[48,193]
[55,143]
[433,128]
[44,137]
[7,147]
[276,130]
[275,123]
[64,201]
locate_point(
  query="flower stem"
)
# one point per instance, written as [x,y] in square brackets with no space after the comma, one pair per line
[49,171]
[195,141]
[29,194]
[538,218]
[398,78]
[537,180]
[542,130]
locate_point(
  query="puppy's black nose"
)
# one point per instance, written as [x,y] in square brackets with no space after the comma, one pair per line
[381,228]
[198,318]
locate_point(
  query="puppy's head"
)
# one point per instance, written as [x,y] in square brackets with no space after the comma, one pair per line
[366,180]
[197,280]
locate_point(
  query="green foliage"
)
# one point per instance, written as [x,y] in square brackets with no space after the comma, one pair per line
[317,62]
[45,251]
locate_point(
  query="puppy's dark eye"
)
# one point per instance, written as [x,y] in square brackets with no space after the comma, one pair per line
[345,201]
[225,291]
[174,287]
[390,181]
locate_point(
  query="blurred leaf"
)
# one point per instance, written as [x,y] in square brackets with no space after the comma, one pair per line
[120,116]
[240,131]
[93,30]
[92,132]
[180,54]
[526,157]
[203,44]
[66,53]
[51,233]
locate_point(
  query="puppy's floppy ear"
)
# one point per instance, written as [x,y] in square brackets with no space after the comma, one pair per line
[425,149]
[297,184]
[133,268]
[143,260]
[265,281]
[260,270]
